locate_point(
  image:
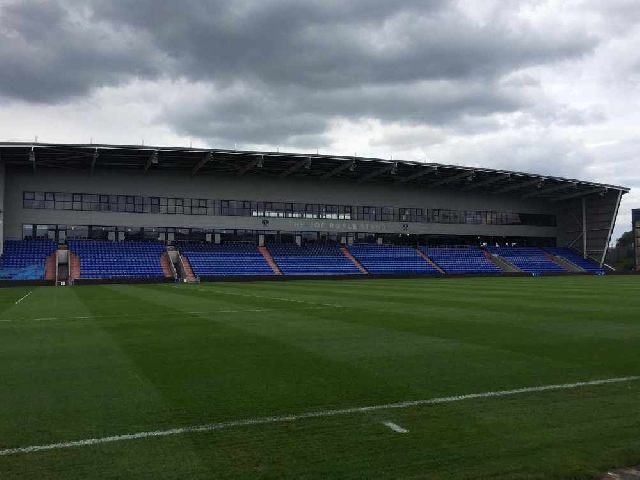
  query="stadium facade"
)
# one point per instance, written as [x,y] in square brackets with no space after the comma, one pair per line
[63,191]
[635,227]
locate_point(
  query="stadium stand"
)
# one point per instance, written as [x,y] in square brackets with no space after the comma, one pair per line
[25,259]
[461,260]
[389,259]
[128,259]
[229,259]
[528,259]
[314,259]
[576,259]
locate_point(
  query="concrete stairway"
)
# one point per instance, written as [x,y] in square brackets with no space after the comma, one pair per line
[189,275]
[354,260]
[165,263]
[50,267]
[267,256]
[564,263]
[428,260]
[74,266]
[502,263]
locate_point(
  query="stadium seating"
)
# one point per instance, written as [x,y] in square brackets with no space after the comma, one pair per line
[461,260]
[25,259]
[230,259]
[576,259]
[528,259]
[128,259]
[314,259]
[390,259]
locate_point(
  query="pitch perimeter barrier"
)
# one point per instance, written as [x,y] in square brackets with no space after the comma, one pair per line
[27,283]
[121,281]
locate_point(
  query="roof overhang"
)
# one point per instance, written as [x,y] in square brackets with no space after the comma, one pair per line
[221,162]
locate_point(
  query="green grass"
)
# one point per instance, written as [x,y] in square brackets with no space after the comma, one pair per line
[149,358]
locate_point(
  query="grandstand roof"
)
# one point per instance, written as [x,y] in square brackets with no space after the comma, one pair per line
[199,161]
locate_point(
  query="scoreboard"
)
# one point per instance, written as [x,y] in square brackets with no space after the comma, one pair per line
[635,219]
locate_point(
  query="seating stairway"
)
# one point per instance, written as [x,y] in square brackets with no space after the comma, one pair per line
[230,259]
[165,263]
[528,259]
[461,260]
[127,259]
[391,259]
[25,259]
[312,259]
[576,259]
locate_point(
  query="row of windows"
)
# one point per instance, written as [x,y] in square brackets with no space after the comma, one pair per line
[246,208]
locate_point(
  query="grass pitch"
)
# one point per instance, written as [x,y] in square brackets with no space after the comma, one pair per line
[92,362]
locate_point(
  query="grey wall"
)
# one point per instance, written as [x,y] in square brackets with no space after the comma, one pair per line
[2,215]
[600,211]
[258,188]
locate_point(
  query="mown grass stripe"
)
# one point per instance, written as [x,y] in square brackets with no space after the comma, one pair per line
[318,414]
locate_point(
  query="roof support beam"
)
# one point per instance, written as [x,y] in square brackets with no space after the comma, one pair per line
[584,193]
[306,163]
[555,188]
[201,163]
[256,162]
[380,171]
[487,182]
[518,186]
[94,159]
[420,173]
[153,159]
[613,224]
[452,179]
[32,159]
[350,165]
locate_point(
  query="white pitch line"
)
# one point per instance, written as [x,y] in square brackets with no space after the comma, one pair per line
[301,416]
[24,297]
[395,427]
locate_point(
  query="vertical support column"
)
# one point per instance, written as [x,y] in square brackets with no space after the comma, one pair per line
[261,240]
[584,227]
[2,174]
[613,224]
[299,240]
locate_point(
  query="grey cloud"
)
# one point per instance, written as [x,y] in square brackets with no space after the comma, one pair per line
[49,54]
[336,44]
[55,49]
[251,113]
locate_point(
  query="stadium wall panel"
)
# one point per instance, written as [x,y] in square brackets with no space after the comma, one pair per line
[261,189]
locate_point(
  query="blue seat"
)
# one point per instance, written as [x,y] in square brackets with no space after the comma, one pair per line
[230,259]
[391,259]
[128,259]
[528,259]
[312,259]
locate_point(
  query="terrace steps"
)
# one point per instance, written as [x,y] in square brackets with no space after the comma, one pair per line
[564,263]
[189,275]
[427,259]
[74,266]
[165,263]
[503,264]
[354,260]
[50,267]
[267,256]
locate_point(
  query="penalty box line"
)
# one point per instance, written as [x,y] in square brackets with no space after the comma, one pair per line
[301,416]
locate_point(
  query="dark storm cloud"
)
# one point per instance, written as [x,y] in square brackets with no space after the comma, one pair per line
[333,44]
[274,116]
[299,65]
[49,53]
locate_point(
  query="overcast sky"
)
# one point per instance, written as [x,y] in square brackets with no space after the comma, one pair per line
[549,87]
